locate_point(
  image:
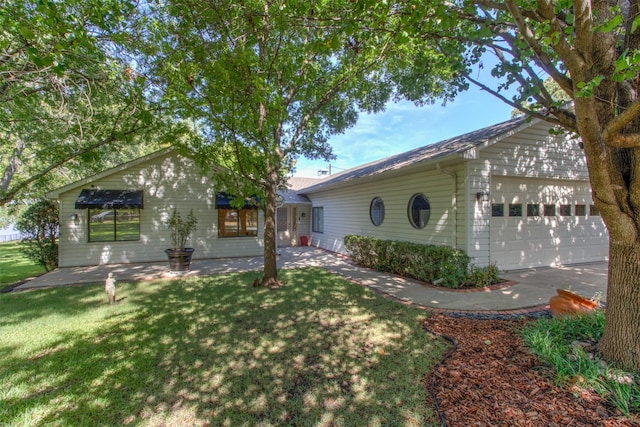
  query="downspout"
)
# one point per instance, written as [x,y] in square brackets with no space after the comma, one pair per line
[454,204]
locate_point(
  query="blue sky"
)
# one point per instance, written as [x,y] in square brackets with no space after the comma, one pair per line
[403,126]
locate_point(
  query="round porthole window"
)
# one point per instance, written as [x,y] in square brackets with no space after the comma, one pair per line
[419,211]
[376,211]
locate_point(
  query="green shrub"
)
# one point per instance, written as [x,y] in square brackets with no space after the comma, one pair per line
[429,263]
[484,276]
[39,223]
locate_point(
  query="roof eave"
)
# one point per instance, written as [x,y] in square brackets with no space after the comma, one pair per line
[449,157]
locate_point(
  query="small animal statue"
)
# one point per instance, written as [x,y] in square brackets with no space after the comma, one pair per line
[110,288]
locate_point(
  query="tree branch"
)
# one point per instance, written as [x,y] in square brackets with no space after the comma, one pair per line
[12,167]
[542,58]
[6,197]
[611,133]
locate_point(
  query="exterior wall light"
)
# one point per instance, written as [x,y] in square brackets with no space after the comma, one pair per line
[482,196]
[75,218]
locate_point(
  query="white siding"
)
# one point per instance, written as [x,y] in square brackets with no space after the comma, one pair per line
[304,225]
[531,153]
[168,181]
[346,209]
[532,241]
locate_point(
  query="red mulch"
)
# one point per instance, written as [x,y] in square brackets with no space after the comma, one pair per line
[492,379]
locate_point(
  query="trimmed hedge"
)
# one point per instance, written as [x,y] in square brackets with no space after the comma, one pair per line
[429,263]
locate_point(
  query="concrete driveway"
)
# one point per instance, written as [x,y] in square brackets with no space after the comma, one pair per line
[530,289]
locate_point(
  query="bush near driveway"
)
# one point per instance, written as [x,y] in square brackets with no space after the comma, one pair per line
[318,351]
[440,265]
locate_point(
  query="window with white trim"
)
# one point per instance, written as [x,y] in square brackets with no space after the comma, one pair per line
[317,220]
[419,211]
[376,211]
[237,222]
[114,225]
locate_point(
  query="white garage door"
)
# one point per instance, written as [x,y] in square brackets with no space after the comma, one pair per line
[537,222]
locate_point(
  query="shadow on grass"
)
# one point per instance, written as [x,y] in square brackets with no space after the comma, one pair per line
[215,350]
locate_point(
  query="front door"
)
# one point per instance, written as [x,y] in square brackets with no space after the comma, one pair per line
[287,226]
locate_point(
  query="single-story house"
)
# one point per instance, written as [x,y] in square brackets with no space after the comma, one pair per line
[118,216]
[511,194]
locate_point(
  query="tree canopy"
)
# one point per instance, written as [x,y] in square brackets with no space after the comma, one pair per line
[268,82]
[68,106]
[591,50]
[263,83]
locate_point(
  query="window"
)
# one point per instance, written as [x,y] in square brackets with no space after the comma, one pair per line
[497,209]
[515,209]
[237,222]
[317,219]
[376,211]
[533,209]
[581,210]
[565,210]
[549,210]
[593,210]
[111,225]
[419,211]
[283,219]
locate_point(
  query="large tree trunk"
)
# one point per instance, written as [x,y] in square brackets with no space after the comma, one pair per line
[620,342]
[270,277]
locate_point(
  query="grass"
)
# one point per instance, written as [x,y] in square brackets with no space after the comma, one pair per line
[318,351]
[14,265]
[552,340]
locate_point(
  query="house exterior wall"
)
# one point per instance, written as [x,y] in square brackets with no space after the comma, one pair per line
[569,233]
[293,223]
[304,221]
[530,153]
[167,181]
[346,208]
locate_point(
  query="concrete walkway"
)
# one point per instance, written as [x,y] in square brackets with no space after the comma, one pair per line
[531,288]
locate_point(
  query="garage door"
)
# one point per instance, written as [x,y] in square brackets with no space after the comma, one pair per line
[538,223]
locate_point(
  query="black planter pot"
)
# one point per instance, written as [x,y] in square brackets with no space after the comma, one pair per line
[179,259]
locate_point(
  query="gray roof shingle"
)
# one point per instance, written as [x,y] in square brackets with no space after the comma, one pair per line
[453,145]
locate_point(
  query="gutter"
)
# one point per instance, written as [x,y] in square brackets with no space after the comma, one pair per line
[454,204]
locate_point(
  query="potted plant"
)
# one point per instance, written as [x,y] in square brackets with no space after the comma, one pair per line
[180,230]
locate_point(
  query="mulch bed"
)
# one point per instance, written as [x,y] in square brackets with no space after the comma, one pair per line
[491,379]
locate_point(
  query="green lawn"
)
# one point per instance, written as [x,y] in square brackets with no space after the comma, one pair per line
[214,351]
[14,266]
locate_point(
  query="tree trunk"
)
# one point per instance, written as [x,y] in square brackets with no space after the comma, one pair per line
[12,166]
[270,277]
[620,343]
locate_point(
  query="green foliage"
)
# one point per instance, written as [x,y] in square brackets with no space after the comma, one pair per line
[430,263]
[39,223]
[263,92]
[590,50]
[181,229]
[69,106]
[586,88]
[558,342]
[484,276]
[215,351]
